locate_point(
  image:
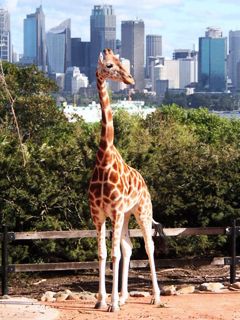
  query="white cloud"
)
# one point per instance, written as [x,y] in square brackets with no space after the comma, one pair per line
[10,5]
[180,22]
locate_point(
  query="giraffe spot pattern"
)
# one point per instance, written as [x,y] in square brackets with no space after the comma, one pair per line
[100,155]
[103,144]
[113,183]
[107,188]
[113,177]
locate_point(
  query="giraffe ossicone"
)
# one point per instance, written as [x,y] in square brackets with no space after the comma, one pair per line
[117,191]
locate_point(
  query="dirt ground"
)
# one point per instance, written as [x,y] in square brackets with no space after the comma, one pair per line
[224,305]
[20,308]
[214,306]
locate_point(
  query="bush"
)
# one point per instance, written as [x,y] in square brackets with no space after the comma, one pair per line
[190,160]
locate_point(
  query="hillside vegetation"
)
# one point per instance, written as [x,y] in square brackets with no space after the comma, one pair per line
[190,160]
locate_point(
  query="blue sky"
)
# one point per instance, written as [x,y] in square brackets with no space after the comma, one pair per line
[180,22]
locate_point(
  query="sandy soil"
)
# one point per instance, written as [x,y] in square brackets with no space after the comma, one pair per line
[20,308]
[199,306]
[217,306]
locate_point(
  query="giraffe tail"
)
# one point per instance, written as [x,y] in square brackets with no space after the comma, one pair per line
[159,238]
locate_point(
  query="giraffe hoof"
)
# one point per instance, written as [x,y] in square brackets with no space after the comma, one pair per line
[123,300]
[100,305]
[113,308]
[155,301]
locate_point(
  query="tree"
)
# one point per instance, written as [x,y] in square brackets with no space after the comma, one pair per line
[190,160]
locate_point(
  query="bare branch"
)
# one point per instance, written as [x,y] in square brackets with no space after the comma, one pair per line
[12,101]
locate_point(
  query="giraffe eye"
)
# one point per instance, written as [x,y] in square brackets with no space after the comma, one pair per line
[109,65]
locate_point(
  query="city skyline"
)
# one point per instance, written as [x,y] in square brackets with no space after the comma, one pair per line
[180,22]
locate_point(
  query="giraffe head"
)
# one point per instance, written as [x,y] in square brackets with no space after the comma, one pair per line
[110,67]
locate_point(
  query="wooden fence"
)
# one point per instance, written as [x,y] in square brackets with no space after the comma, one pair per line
[7,237]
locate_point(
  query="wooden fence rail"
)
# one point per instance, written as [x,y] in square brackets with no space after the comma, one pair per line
[7,237]
[134,233]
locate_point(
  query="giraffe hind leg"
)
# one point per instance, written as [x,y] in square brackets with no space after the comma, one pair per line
[145,222]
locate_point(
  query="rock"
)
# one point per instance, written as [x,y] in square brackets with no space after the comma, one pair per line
[68,291]
[168,290]
[234,286]
[85,295]
[73,296]
[139,294]
[61,296]
[185,289]
[6,296]
[211,286]
[48,296]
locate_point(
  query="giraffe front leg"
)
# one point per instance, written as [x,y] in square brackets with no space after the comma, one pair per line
[116,254]
[102,256]
[126,246]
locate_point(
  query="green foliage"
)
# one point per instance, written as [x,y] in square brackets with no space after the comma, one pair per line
[211,101]
[190,160]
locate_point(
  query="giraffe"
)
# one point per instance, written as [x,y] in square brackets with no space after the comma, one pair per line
[117,191]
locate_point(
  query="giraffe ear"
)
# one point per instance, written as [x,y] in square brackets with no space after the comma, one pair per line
[100,59]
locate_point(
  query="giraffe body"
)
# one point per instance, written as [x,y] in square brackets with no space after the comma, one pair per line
[116,186]
[116,191]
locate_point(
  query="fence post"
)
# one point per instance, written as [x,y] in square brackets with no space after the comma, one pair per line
[5,261]
[233,252]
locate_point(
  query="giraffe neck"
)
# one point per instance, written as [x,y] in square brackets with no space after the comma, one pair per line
[107,132]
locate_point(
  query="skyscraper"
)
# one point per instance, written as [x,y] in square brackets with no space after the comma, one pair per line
[133,49]
[102,33]
[5,36]
[80,55]
[212,61]
[234,59]
[153,49]
[59,47]
[35,39]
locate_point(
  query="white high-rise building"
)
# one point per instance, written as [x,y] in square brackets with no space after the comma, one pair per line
[179,73]
[5,36]
[74,80]
[169,70]
[188,71]
[79,81]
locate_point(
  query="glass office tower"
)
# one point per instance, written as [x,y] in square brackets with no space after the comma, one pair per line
[234,59]
[80,55]
[212,63]
[5,36]
[35,39]
[133,35]
[102,33]
[59,47]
